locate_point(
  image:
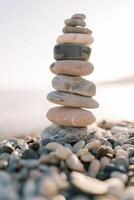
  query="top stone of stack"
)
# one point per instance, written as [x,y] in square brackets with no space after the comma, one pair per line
[76,25]
[74,44]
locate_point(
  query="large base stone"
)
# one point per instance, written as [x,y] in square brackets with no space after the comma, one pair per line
[62,134]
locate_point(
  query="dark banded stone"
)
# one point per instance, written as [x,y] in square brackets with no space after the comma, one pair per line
[71,52]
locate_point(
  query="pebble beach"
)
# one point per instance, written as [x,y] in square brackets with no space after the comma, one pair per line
[68,152]
[99,168]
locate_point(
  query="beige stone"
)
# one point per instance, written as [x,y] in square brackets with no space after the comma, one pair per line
[87,157]
[72,67]
[70,116]
[48,187]
[63,153]
[49,158]
[79,145]
[82,152]
[58,197]
[88,184]
[75,38]
[93,145]
[72,100]
[74,163]
[94,168]
[53,146]
[74,84]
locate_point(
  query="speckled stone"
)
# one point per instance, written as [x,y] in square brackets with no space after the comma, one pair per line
[67,116]
[72,67]
[71,100]
[63,134]
[74,84]
[71,52]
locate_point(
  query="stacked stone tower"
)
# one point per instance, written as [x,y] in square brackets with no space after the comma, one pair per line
[72,92]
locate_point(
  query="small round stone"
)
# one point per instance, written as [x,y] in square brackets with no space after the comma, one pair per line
[94,168]
[7,149]
[63,153]
[104,161]
[29,163]
[3,164]
[58,197]
[95,144]
[76,29]
[72,100]
[121,152]
[70,116]
[48,187]
[79,145]
[74,163]
[74,84]
[49,158]
[72,67]
[74,22]
[82,152]
[75,38]
[35,146]
[29,154]
[87,157]
[53,146]
[78,16]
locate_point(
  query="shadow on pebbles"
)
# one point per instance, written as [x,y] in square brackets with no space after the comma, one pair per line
[98,166]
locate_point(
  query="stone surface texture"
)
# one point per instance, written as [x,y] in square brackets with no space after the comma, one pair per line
[72,67]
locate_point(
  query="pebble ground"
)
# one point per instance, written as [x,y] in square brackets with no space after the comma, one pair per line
[101,168]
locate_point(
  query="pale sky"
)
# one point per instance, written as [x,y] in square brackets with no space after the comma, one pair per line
[29,28]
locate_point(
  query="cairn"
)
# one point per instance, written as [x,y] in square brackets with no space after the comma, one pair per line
[72,92]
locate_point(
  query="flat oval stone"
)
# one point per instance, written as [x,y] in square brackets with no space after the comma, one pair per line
[74,163]
[53,146]
[74,84]
[71,52]
[75,22]
[63,153]
[75,38]
[79,145]
[95,144]
[82,152]
[76,29]
[78,16]
[94,168]
[72,67]
[87,157]
[88,184]
[66,116]
[71,100]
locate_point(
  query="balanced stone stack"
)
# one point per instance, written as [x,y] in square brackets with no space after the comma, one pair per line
[72,92]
